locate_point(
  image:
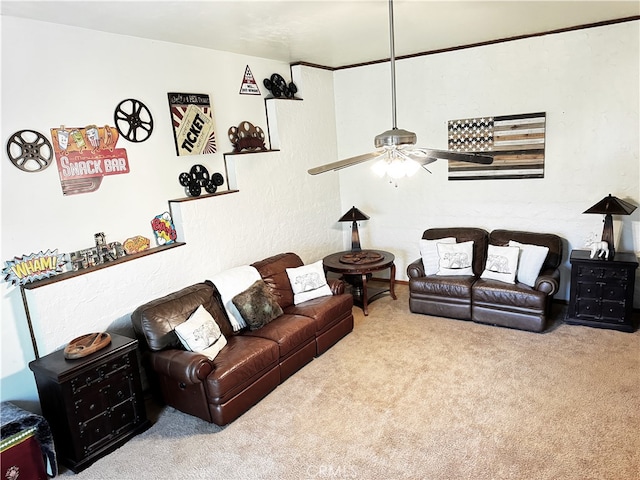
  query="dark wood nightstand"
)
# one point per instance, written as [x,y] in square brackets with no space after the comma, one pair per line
[602,291]
[92,404]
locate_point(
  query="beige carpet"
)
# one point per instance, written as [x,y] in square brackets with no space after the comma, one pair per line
[409,396]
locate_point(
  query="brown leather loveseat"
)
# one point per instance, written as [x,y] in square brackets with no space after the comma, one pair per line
[253,362]
[486,300]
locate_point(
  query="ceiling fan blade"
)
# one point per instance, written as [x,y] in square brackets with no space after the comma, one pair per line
[425,160]
[343,163]
[448,155]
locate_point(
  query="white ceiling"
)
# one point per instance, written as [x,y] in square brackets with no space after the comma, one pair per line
[324,32]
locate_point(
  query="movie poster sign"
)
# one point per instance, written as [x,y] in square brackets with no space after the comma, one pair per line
[192,120]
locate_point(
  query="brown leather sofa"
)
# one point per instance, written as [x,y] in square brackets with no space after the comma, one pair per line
[486,300]
[253,363]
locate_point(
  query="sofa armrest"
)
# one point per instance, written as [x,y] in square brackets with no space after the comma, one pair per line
[416,269]
[548,281]
[181,365]
[336,285]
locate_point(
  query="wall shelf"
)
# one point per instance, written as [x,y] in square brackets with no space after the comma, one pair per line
[66,275]
[207,195]
[283,98]
[251,153]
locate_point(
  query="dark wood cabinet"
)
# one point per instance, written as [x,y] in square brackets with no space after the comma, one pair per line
[602,291]
[93,404]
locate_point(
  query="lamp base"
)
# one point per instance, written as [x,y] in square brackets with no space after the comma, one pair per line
[607,235]
[355,238]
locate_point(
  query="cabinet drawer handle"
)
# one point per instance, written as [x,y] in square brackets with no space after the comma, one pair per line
[182,385]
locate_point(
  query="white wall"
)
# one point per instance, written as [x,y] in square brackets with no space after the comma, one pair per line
[77,77]
[587,83]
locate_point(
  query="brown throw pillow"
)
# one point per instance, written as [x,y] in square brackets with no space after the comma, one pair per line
[257,305]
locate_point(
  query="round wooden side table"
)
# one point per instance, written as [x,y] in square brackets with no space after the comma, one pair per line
[357,268]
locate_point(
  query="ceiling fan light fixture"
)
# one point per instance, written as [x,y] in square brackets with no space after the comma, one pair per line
[395,165]
[411,167]
[380,167]
[395,137]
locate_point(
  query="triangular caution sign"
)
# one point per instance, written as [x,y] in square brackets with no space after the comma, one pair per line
[249,86]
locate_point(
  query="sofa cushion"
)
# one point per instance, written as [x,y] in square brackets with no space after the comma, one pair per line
[155,321]
[308,282]
[429,253]
[257,305]
[479,236]
[325,311]
[455,258]
[244,360]
[273,272]
[445,286]
[230,283]
[200,333]
[554,242]
[288,331]
[499,295]
[532,258]
[502,263]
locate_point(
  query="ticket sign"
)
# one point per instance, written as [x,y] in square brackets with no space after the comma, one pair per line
[192,121]
[194,131]
[85,155]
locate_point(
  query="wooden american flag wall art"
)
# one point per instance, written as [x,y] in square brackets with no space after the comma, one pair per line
[516,143]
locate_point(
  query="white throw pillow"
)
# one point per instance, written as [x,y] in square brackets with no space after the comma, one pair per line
[230,283]
[455,258]
[502,263]
[308,282]
[200,333]
[532,258]
[429,253]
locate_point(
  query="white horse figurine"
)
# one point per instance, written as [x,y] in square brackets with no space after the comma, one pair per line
[599,249]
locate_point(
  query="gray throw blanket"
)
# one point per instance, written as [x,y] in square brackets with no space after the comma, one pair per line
[14,419]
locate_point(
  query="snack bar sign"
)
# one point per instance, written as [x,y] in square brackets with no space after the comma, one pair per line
[85,155]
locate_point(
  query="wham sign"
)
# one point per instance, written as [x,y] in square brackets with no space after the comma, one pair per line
[516,143]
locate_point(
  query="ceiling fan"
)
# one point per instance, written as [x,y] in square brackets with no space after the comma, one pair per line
[397,154]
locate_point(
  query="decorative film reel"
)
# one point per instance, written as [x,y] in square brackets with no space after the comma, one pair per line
[198,178]
[278,87]
[246,136]
[29,150]
[133,120]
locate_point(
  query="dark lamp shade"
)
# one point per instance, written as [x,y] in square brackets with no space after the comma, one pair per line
[612,206]
[353,215]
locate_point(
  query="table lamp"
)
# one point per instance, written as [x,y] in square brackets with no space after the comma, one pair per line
[609,206]
[354,215]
